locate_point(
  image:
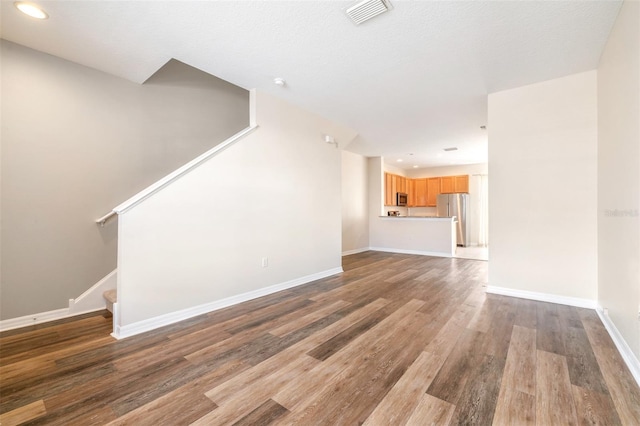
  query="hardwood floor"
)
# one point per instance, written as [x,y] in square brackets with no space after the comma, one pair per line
[394,340]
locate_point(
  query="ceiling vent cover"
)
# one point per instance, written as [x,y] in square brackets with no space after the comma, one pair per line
[367,9]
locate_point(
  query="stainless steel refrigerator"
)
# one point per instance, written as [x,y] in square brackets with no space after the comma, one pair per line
[449,205]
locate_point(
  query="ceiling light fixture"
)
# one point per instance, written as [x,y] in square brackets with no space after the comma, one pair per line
[279,82]
[31,9]
[399,160]
[415,166]
[367,9]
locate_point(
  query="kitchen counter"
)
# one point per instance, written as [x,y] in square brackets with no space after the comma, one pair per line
[418,217]
[426,235]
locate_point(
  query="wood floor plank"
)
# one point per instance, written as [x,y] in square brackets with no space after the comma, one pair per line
[594,408]
[299,394]
[233,407]
[515,408]
[477,402]
[264,415]
[364,384]
[452,377]
[402,399]
[554,395]
[516,401]
[431,411]
[520,368]
[584,370]
[23,414]
[301,322]
[188,400]
[623,389]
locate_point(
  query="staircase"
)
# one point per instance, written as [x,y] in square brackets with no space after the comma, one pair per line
[111,298]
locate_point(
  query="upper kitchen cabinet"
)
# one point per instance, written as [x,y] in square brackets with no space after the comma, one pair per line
[401,184]
[420,189]
[461,184]
[411,192]
[433,189]
[389,189]
[454,184]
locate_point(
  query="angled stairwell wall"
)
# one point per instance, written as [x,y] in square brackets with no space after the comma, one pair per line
[77,142]
[272,198]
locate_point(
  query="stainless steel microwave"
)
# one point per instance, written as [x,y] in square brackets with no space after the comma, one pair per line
[401,199]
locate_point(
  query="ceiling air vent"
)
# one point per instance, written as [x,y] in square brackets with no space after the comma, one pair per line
[367,9]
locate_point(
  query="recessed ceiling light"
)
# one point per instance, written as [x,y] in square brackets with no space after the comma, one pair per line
[31,9]
[415,166]
[399,160]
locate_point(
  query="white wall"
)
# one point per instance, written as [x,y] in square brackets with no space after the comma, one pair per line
[355,203]
[543,195]
[619,175]
[474,171]
[201,239]
[77,142]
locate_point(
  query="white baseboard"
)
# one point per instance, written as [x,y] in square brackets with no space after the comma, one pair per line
[27,320]
[355,251]
[418,252]
[627,354]
[89,301]
[543,297]
[121,332]
[93,300]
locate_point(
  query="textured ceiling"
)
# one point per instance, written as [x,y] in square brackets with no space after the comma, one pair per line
[413,80]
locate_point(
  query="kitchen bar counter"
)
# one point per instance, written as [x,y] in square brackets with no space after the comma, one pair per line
[426,235]
[417,217]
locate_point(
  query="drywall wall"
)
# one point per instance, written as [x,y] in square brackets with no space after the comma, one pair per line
[454,170]
[77,142]
[272,195]
[619,175]
[543,195]
[355,203]
[476,173]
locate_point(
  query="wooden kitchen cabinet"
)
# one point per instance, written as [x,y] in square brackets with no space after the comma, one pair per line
[447,185]
[422,192]
[454,184]
[461,184]
[411,192]
[389,189]
[420,188]
[433,189]
[401,184]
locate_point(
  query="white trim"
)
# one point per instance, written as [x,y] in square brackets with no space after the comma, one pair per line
[355,251]
[27,320]
[93,299]
[157,186]
[253,109]
[627,354]
[89,301]
[418,252]
[121,332]
[543,297]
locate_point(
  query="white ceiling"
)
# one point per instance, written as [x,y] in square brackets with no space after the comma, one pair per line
[413,80]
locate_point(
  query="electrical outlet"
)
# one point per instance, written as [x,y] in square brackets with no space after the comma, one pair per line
[265,262]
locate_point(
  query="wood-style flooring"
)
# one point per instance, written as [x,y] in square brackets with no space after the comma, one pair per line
[394,340]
